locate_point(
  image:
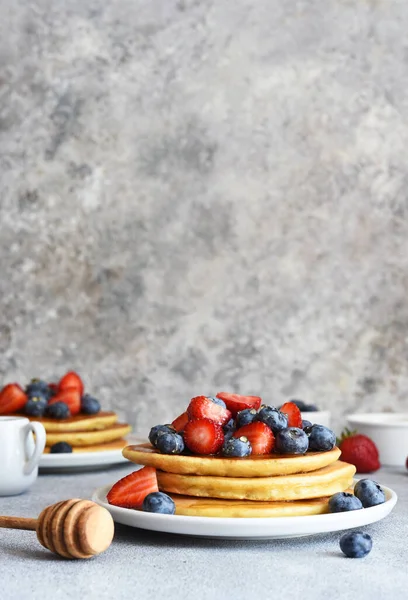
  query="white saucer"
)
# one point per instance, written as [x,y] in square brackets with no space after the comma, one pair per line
[81,461]
[255,529]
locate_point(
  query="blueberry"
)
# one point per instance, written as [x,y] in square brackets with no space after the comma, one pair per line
[35,406]
[272,417]
[229,429]
[356,544]
[158,502]
[90,405]
[61,448]
[306,424]
[291,440]
[321,438]
[369,492]
[38,387]
[300,404]
[158,430]
[59,410]
[170,443]
[343,502]
[245,417]
[310,408]
[217,401]
[237,447]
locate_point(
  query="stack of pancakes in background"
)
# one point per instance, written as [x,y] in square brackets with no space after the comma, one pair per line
[86,433]
[256,486]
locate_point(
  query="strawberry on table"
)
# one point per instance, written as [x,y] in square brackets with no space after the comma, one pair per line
[259,435]
[71,380]
[203,436]
[130,491]
[293,413]
[180,422]
[236,402]
[360,451]
[71,397]
[12,399]
[202,407]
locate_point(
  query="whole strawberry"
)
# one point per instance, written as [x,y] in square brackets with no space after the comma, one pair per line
[359,450]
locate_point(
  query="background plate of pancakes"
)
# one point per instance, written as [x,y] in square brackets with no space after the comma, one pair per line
[248,528]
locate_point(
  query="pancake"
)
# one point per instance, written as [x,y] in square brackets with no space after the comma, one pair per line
[327,481]
[89,438]
[252,466]
[212,507]
[78,423]
[116,445]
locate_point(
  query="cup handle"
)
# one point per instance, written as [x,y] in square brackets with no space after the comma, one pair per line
[39,431]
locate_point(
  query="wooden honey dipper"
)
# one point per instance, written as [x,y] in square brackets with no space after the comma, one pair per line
[73,528]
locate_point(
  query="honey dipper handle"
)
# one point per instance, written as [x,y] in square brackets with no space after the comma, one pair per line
[18,523]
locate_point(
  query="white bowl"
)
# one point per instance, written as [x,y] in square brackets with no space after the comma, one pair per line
[389,432]
[318,417]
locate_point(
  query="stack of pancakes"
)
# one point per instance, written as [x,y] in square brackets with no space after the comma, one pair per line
[256,486]
[86,433]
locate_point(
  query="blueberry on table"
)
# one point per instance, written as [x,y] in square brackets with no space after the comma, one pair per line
[61,448]
[291,440]
[237,447]
[35,406]
[309,408]
[356,544]
[343,502]
[321,438]
[59,410]
[170,443]
[369,492]
[158,502]
[90,405]
[158,430]
[245,417]
[273,418]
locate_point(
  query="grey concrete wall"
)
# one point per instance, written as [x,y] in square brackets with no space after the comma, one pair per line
[202,195]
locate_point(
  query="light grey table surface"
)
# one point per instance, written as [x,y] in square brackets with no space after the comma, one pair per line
[140,564]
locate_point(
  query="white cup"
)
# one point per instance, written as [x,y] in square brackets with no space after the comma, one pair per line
[19,454]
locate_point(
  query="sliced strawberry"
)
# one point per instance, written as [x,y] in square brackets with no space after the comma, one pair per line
[202,407]
[180,422]
[71,380]
[12,399]
[130,491]
[259,435]
[236,402]
[71,397]
[294,417]
[203,436]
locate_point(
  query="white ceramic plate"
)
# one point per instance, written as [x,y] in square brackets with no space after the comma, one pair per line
[81,461]
[256,529]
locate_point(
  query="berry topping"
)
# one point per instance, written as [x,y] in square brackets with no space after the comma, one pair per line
[356,544]
[343,502]
[203,436]
[369,492]
[272,417]
[217,401]
[180,422]
[293,413]
[90,405]
[71,380]
[61,448]
[130,491]
[202,407]
[71,397]
[158,502]
[245,417]
[236,402]
[159,430]
[35,406]
[291,441]
[321,438]
[259,435]
[37,387]
[237,447]
[169,443]
[58,410]
[306,424]
[360,451]
[12,399]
